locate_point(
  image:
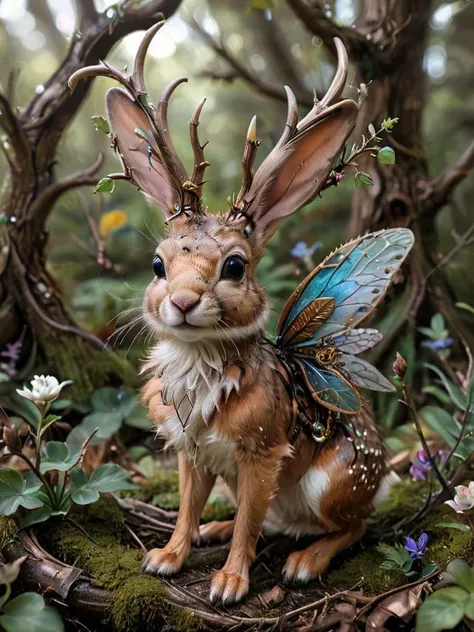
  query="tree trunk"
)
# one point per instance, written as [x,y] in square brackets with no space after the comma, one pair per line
[29,296]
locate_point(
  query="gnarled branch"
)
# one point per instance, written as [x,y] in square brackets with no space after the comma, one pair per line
[268,89]
[437,192]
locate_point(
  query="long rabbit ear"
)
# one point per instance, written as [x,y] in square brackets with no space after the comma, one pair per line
[139,151]
[141,136]
[299,165]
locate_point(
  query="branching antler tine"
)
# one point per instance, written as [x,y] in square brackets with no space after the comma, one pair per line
[162,109]
[100,70]
[139,66]
[248,158]
[339,81]
[200,162]
[291,117]
[336,87]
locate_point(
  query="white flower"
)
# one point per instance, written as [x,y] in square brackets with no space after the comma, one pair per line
[463,499]
[44,388]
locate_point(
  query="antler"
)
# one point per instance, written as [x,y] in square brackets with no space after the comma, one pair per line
[160,148]
[248,158]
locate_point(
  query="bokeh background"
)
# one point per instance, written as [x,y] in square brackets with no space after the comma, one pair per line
[268,39]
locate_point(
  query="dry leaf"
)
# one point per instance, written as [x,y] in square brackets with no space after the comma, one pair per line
[402,605]
[273,597]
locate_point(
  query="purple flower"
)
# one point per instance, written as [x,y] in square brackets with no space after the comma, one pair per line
[437,345]
[13,350]
[416,549]
[339,176]
[301,249]
[421,466]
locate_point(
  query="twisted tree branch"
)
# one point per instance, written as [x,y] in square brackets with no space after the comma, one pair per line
[438,191]
[42,205]
[318,23]
[269,90]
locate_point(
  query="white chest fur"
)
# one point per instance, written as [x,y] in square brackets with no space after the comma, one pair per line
[194,381]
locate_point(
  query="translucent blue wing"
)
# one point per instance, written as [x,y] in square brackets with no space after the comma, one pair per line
[364,374]
[355,341]
[329,388]
[356,276]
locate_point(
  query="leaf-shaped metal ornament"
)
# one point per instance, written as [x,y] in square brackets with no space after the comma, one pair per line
[308,321]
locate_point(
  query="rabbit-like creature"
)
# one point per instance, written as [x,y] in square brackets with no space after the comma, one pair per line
[282,421]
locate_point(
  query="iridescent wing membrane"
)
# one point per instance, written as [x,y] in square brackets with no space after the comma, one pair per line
[318,330]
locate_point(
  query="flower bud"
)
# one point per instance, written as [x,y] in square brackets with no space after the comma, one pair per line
[400,366]
[12,439]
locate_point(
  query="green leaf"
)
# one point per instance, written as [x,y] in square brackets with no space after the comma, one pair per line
[437,323]
[106,400]
[106,478]
[29,613]
[469,607]
[22,407]
[441,422]
[388,124]
[101,124]
[107,423]
[438,393]
[470,393]
[105,185]
[110,478]
[441,611]
[364,178]
[465,306]
[13,493]
[453,525]
[465,448]
[386,156]
[428,569]
[37,516]
[429,333]
[58,456]
[460,573]
[455,393]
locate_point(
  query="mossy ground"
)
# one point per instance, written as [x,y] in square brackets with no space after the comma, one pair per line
[8,530]
[444,544]
[163,491]
[138,600]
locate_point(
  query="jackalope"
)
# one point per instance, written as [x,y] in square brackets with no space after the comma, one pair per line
[282,420]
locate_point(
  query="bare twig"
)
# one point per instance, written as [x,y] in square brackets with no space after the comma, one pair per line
[438,190]
[43,204]
[318,23]
[241,71]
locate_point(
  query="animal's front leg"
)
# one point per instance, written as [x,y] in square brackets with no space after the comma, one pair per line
[195,485]
[257,483]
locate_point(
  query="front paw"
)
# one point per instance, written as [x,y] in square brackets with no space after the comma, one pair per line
[228,587]
[162,562]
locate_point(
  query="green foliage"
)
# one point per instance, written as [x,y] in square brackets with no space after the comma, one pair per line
[27,612]
[14,493]
[101,124]
[111,408]
[105,185]
[386,156]
[106,478]
[364,178]
[396,558]
[447,607]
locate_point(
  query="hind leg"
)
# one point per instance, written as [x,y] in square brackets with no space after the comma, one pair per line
[303,566]
[216,531]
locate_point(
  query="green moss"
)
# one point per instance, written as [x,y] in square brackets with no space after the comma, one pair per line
[8,531]
[164,485]
[366,565]
[218,508]
[166,500]
[405,499]
[185,620]
[446,544]
[137,600]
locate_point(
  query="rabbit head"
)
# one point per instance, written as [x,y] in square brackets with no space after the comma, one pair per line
[205,269]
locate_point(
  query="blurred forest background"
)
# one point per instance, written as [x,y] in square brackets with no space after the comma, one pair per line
[273,46]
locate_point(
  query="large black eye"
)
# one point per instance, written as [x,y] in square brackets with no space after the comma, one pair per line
[159,267]
[233,268]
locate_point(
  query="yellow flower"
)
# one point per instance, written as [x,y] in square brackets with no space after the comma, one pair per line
[111,221]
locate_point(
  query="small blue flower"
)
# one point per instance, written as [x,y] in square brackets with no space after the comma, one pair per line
[417,549]
[437,345]
[301,249]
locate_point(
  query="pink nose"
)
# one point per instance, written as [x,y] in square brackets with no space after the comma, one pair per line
[184,300]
